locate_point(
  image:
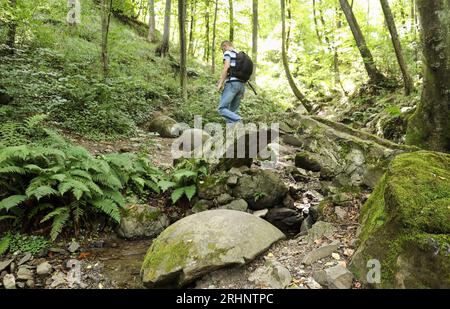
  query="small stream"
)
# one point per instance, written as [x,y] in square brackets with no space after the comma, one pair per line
[122,263]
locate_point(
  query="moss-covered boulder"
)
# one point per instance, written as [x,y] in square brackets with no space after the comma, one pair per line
[205,242]
[142,221]
[261,189]
[165,126]
[405,224]
[348,157]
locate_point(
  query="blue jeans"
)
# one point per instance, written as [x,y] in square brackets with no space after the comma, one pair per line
[230,101]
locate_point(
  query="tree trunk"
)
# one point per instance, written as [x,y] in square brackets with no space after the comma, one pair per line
[231,21]
[430,126]
[163,50]
[183,56]
[192,28]
[255,38]
[106,19]
[375,76]
[207,46]
[316,24]
[11,40]
[213,46]
[289,16]
[151,21]
[407,80]
[290,79]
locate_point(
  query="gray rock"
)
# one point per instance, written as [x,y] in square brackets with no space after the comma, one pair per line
[202,205]
[20,285]
[261,213]
[261,189]
[44,269]
[307,161]
[232,180]
[235,172]
[336,277]
[165,127]
[239,205]
[341,198]
[9,282]
[74,246]
[30,284]
[272,275]
[25,259]
[142,221]
[5,263]
[312,284]
[319,230]
[292,140]
[192,140]
[285,219]
[224,198]
[320,253]
[340,212]
[24,273]
[211,188]
[204,242]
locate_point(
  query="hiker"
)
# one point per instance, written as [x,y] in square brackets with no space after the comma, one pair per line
[233,82]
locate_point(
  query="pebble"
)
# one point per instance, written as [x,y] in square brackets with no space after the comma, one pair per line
[74,246]
[44,268]
[9,282]
[25,259]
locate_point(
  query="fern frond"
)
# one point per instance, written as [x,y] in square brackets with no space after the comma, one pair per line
[58,222]
[12,201]
[108,207]
[4,244]
[12,170]
[116,196]
[72,184]
[40,192]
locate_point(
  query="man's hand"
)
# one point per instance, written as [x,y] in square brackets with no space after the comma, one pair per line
[219,86]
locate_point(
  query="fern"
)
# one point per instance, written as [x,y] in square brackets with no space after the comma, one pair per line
[4,244]
[40,192]
[108,207]
[12,201]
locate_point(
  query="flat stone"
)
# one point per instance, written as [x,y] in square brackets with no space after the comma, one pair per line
[318,230]
[74,246]
[4,264]
[336,277]
[320,253]
[272,275]
[261,213]
[239,205]
[340,212]
[25,258]
[24,273]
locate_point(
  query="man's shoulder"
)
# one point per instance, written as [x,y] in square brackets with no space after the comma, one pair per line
[230,53]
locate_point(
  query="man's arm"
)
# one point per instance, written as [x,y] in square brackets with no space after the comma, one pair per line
[224,75]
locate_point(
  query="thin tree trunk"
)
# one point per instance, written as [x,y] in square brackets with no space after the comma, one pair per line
[106,19]
[192,28]
[375,76]
[11,40]
[213,46]
[207,46]
[290,79]
[289,16]
[429,127]
[163,50]
[255,38]
[316,25]
[231,20]
[183,56]
[407,80]
[151,21]
[337,72]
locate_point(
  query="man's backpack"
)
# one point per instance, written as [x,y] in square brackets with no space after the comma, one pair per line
[244,67]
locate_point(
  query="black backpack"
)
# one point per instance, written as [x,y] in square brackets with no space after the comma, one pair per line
[244,67]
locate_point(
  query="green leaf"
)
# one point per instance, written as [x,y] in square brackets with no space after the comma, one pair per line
[59,222]
[190,191]
[178,175]
[12,170]
[165,185]
[40,192]
[138,181]
[177,194]
[4,244]
[12,201]
[7,217]
[109,207]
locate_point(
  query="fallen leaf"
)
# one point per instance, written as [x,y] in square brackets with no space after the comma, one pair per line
[84,255]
